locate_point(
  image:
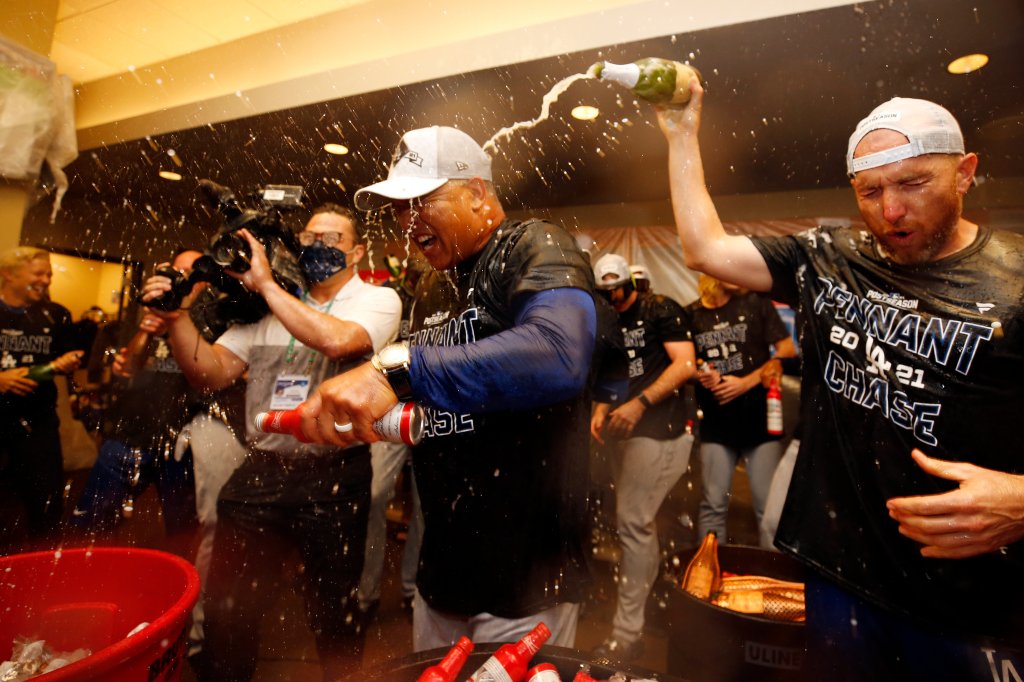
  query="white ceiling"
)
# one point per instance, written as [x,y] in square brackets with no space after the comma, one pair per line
[94,39]
[144,67]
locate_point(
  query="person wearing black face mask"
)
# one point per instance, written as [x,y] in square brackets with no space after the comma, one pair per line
[321,258]
[287,493]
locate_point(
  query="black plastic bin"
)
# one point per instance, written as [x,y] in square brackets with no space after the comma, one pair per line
[711,644]
[567,661]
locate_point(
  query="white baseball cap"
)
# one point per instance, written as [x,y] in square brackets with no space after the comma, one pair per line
[640,271]
[930,129]
[425,159]
[611,264]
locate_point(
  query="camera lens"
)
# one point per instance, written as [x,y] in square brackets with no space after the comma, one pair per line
[231,252]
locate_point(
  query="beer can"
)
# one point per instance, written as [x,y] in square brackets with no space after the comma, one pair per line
[403,423]
[543,672]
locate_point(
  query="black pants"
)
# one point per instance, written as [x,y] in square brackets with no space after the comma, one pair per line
[270,506]
[32,471]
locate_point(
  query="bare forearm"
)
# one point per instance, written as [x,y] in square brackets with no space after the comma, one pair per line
[196,356]
[697,220]
[334,338]
[674,376]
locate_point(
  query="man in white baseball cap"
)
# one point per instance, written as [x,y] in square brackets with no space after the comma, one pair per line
[907,497]
[647,439]
[502,336]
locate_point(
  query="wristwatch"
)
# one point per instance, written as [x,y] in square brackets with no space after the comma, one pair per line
[393,362]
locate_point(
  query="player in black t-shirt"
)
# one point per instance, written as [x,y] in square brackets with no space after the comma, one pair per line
[33,331]
[652,438]
[734,332]
[502,336]
[907,497]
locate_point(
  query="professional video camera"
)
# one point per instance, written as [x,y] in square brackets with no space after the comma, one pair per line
[228,250]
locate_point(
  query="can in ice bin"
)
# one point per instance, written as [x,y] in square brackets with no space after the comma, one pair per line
[403,423]
[543,672]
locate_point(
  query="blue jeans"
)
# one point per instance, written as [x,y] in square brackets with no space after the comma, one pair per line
[718,462]
[851,639]
[121,472]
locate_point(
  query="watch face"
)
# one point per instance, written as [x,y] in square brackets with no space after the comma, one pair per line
[393,355]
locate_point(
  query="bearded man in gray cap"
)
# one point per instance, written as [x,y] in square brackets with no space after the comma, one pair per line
[907,500]
[503,331]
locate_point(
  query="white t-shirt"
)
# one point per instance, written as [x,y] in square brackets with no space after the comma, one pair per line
[283,373]
[375,309]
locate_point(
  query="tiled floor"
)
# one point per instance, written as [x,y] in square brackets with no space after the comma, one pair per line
[288,653]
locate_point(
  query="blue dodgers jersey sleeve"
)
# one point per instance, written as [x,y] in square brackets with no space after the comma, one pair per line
[543,359]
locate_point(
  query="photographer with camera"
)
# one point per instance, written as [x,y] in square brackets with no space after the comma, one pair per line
[151,403]
[288,494]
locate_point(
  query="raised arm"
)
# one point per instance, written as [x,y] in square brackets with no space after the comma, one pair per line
[706,245]
[205,366]
[336,339]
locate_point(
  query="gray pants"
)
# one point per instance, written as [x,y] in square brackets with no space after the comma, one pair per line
[388,460]
[216,453]
[645,470]
[718,462]
[777,493]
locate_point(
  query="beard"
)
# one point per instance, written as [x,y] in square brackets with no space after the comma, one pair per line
[935,236]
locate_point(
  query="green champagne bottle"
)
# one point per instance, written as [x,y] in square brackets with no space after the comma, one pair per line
[41,372]
[659,81]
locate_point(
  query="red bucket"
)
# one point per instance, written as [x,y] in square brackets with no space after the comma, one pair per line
[92,598]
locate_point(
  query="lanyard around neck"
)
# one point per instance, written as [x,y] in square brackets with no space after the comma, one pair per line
[289,354]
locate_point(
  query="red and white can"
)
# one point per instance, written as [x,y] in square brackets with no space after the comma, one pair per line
[403,423]
[543,672]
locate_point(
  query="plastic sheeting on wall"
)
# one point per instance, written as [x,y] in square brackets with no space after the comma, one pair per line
[37,118]
[658,248]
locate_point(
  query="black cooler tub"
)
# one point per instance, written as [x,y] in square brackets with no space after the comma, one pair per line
[711,644]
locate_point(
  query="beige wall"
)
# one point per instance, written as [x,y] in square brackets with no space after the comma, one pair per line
[79,283]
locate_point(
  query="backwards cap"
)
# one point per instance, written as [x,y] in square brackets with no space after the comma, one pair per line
[930,129]
[611,264]
[424,160]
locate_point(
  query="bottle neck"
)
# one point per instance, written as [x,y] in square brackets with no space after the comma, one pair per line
[626,74]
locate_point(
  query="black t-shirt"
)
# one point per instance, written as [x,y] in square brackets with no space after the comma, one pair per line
[503,493]
[404,325]
[897,357]
[736,339]
[652,321]
[35,335]
[149,409]
[609,364]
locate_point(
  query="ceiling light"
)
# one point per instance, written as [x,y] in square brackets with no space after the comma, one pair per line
[585,112]
[335,148]
[967,63]
[170,175]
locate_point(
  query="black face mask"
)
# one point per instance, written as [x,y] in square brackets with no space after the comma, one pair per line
[319,262]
